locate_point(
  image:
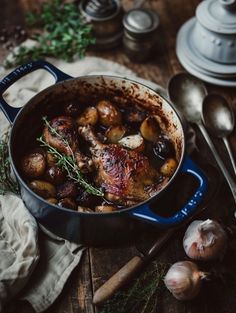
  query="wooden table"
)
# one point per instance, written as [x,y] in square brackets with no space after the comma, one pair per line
[99,264]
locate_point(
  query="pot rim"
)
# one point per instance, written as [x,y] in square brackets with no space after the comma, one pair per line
[120,211]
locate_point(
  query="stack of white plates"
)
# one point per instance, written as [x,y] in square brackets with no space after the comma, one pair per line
[209,71]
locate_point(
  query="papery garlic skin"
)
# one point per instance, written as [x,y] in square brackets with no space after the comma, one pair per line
[184,280]
[205,240]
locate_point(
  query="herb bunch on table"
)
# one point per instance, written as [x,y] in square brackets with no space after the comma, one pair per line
[61,32]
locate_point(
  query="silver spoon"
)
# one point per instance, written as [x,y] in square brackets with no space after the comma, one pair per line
[188,93]
[218,117]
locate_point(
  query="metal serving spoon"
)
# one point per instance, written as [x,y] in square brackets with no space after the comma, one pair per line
[188,93]
[218,117]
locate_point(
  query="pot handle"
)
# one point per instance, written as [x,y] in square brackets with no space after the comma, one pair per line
[11,112]
[144,211]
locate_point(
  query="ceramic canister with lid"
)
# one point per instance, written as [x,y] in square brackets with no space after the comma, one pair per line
[106,19]
[214,34]
[140,26]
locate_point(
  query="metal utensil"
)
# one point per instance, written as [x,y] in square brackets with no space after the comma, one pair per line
[188,93]
[218,117]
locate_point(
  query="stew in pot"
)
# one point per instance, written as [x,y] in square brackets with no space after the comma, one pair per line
[101,157]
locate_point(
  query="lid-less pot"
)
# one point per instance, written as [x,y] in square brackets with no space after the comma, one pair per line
[105,17]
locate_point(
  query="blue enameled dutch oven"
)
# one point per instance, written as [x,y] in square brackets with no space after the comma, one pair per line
[95,228]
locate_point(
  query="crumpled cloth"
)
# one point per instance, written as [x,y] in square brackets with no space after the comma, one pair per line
[41,265]
[34,263]
[19,251]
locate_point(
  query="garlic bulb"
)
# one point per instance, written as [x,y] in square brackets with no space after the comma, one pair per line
[205,240]
[184,280]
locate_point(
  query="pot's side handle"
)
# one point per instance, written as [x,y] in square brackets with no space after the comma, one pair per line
[11,112]
[144,212]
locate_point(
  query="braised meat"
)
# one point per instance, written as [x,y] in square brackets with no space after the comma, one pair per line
[67,141]
[124,174]
[64,126]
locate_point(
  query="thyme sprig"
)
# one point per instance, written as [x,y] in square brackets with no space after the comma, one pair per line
[7,184]
[68,162]
[142,295]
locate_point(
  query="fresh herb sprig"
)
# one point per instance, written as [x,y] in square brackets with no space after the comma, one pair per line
[7,184]
[68,162]
[64,34]
[142,295]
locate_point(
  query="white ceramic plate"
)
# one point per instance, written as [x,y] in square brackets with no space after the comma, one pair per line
[201,70]
[209,79]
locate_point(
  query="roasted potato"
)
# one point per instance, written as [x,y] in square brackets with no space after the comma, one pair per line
[84,209]
[88,117]
[52,200]
[115,133]
[109,114]
[105,208]
[150,129]
[67,190]
[33,164]
[43,188]
[169,167]
[72,109]
[55,175]
[67,203]
[133,142]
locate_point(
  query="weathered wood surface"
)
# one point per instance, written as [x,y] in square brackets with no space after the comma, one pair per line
[99,264]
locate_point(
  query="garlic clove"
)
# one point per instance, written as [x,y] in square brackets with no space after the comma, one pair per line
[133,142]
[184,280]
[205,240]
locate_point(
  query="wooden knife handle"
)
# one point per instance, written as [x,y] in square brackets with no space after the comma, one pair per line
[118,280]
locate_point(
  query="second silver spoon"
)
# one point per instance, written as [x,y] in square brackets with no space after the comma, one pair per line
[218,117]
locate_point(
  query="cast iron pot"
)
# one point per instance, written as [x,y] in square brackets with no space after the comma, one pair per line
[94,228]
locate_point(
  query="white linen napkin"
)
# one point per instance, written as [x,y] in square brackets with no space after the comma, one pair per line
[19,251]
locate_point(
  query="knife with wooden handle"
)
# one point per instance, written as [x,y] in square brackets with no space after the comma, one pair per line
[127,272]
